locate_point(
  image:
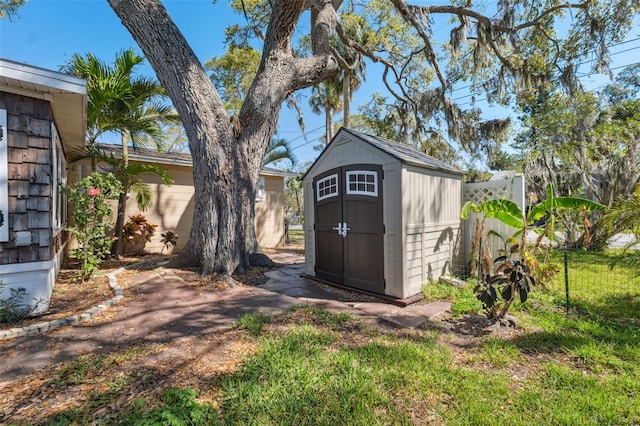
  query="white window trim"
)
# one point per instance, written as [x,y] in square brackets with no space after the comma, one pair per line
[59,169]
[324,179]
[261,190]
[366,173]
[4,176]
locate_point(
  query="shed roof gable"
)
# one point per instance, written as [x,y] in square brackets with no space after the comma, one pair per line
[405,154]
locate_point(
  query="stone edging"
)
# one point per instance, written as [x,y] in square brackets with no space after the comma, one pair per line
[44,327]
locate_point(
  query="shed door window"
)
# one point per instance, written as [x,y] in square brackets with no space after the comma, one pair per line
[362,182]
[327,187]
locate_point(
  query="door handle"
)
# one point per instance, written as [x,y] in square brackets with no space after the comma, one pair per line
[342,229]
[345,229]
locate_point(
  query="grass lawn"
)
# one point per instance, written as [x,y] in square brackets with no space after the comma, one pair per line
[316,368]
[311,367]
[296,237]
[597,287]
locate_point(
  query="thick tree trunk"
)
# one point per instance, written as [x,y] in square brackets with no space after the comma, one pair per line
[226,161]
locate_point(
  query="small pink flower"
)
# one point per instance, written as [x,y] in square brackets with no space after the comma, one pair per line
[93,192]
[114,238]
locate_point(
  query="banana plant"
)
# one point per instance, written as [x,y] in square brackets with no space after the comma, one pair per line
[516,266]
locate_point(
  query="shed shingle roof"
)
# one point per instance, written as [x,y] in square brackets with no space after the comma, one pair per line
[403,153]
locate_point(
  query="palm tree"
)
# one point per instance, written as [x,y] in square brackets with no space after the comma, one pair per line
[277,150]
[120,102]
[129,175]
[327,97]
[623,216]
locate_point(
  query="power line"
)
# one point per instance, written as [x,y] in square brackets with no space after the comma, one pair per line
[579,76]
[581,63]
[307,143]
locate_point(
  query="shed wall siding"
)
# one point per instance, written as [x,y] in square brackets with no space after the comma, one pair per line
[431,203]
[393,229]
[29,175]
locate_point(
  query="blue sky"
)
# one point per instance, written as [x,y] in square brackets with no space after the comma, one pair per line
[48,32]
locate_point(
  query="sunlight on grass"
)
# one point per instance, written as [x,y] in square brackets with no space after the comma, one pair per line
[254,323]
[311,373]
[462,299]
[595,286]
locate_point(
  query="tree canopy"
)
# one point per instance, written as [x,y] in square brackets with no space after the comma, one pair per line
[505,51]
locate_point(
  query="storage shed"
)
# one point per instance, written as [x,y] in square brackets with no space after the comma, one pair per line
[381,216]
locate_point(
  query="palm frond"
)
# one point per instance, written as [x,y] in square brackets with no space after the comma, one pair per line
[144,197]
[278,149]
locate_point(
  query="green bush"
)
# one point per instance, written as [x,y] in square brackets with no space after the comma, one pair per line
[90,217]
[14,308]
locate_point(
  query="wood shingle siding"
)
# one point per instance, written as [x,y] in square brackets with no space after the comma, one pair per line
[29,158]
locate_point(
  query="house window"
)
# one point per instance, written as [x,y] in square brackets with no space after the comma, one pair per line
[327,187]
[362,182]
[59,167]
[260,190]
[4,179]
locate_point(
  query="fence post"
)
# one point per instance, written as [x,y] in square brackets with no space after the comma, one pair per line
[566,279]
[480,260]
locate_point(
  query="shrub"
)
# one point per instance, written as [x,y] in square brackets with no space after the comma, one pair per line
[13,308]
[90,222]
[512,278]
[169,239]
[138,230]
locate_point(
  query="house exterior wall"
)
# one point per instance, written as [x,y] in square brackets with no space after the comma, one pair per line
[270,213]
[432,229]
[173,205]
[30,258]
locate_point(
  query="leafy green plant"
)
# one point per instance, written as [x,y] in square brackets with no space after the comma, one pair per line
[14,308]
[512,278]
[138,230]
[510,214]
[169,239]
[90,223]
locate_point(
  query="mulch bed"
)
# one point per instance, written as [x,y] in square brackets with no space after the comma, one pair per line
[72,296]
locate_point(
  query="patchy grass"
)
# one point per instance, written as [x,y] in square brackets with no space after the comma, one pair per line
[462,299]
[310,366]
[314,367]
[254,323]
[296,237]
[598,284]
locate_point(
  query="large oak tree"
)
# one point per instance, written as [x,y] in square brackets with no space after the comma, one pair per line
[513,47]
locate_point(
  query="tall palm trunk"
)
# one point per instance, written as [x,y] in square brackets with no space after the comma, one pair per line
[346,94]
[116,246]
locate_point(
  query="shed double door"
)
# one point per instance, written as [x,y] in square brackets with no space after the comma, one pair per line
[348,227]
